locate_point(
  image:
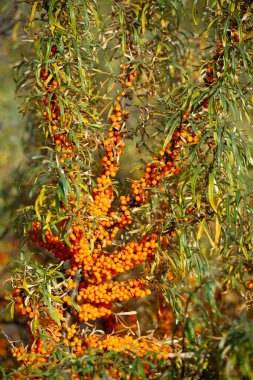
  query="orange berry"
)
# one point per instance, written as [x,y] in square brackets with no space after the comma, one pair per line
[128,84]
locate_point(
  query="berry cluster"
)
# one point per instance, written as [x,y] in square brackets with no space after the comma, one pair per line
[40,349]
[129,345]
[103,193]
[166,163]
[108,292]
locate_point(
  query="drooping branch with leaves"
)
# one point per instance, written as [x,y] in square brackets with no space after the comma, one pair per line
[177,238]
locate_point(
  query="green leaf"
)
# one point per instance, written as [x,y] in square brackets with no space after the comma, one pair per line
[172,127]
[195,12]
[194,179]
[72,17]
[211,191]
[190,331]
[143,18]
[64,188]
[53,312]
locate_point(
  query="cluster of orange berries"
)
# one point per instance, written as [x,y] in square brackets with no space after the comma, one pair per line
[110,291]
[166,164]
[99,268]
[104,294]
[22,305]
[40,349]
[103,193]
[50,242]
[37,351]
[107,266]
[25,310]
[91,312]
[88,311]
[127,344]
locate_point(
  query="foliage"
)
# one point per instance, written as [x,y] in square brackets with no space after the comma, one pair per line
[108,74]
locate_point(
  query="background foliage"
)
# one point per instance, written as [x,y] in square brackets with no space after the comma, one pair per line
[209,260]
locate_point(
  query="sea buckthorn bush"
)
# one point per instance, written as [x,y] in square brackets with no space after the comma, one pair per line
[137,267]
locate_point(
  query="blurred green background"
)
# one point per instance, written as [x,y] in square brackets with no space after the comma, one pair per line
[13,129]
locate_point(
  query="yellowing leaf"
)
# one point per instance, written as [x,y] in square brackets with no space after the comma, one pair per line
[33,11]
[211,240]
[39,201]
[15,31]
[25,287]
[57,25]
[48,79]
[217,230]
[211,192]
[201,228]
[48,217]
[95,14]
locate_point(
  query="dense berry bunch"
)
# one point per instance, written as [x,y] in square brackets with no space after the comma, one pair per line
[128,344]
[40,349]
